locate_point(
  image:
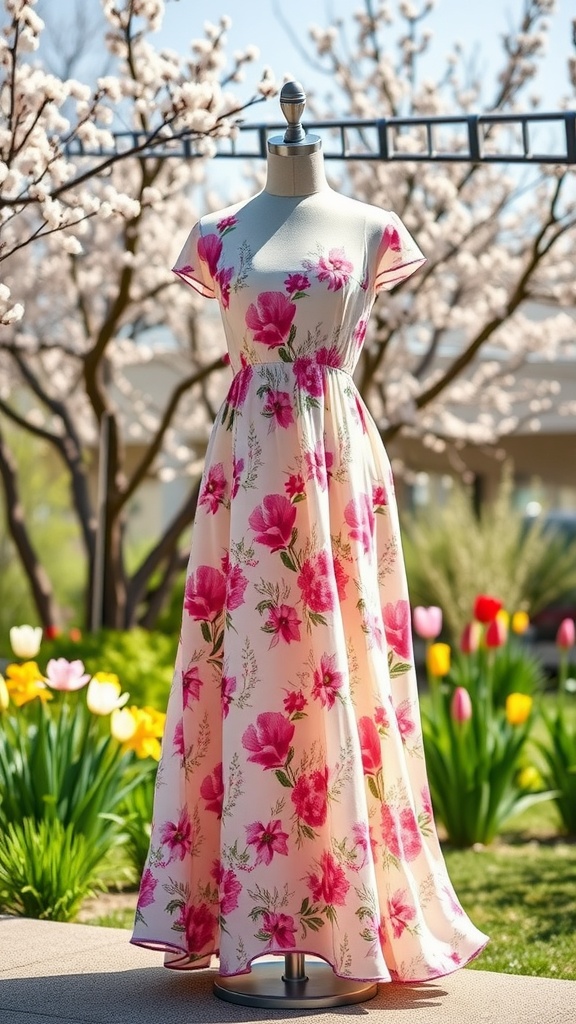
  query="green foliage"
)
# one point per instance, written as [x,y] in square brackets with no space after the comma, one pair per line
[143,661]
[47,869]
[474,766]
[558,750]
[452,554]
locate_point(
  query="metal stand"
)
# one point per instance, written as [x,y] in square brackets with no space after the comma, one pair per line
[302,986]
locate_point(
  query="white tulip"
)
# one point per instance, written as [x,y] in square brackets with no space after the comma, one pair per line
[25,641]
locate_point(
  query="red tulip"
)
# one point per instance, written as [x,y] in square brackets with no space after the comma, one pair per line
[470,639]
[51,632]
[461,705]
[566,635]
[75,634]
[486,608]
[496,633]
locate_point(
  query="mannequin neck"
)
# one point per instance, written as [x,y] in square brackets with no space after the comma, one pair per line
[295,175]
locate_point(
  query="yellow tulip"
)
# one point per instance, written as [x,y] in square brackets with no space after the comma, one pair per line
[520,622]
[139,729]
[25,683]
[103,694]
[4,695]
[518,708]
[438,659]
[530,778]
[503,617]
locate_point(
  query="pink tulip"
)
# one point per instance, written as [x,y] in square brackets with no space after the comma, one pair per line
[461,705]
[66,675]
[428,622]
[496,633]
[470,639]
[566,635]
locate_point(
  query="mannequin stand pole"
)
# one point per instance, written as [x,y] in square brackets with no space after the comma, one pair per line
[301,986]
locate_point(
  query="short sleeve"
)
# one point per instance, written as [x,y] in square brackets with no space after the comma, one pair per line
[197,264]
[398,255]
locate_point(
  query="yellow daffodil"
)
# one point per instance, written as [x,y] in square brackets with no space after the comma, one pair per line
[139,729]
[520,622]
[25,640]
[518,708]
[438,659]
[4,695]
[25,682]
[530,778]
[104,694]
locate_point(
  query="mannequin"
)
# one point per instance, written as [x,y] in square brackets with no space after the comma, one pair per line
[292,812]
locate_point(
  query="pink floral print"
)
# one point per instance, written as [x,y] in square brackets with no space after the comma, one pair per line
[292,810]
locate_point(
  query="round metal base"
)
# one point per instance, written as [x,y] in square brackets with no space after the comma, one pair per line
[266,986]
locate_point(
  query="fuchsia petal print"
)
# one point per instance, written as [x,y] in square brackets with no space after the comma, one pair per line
[239,387]
[327,681]
[147,888]
[400,911]
[272,521]
[209,251]
[278,408]
[270,318]
[309,376]
[396,616]
[280,930]
[333,268]
[316,582]
[296,283]
[214,488]
[229,887]
[370,746]
[359,516]
[269,740]
[329,885]
[205,593]
[310,798]
[283,621]
[212,790]
[191,685]
[267,840]
[199,926]
[177,836]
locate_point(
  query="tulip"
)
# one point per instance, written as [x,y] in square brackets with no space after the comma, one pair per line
[520,622]
[139,729]
[518,708]
[25,641]
[470,639]
[428,622]
[62,674]
[75,634]
[4,695]
[438,659]
[486,608]
[122,724]
[103,694]
[496,633]
[461,705]
[51,632]
[566,635]
[530,778]
[25,683]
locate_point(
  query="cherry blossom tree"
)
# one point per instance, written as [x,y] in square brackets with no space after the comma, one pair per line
[85,245]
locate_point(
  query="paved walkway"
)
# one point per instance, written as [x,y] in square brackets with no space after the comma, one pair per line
[79,974]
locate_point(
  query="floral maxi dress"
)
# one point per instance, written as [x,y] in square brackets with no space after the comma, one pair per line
[292,811]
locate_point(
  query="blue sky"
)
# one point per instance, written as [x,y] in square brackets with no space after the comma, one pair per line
[478,24]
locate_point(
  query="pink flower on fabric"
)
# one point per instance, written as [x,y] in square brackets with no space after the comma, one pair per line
[400,912]
[278,408]
[239,387]
[283,621]
[272,521]
[370,746]
[396,617]
[361,413]
[381,718]
[329,357]
[229,888]
[310,798]
[296,283]
[178,739]
[391,239]
[236,583]
[210,251]
[147,886]
[227,690]
[308,376]
[426,801]
[212,790]
[334,268]
[237,467]
[270,321]
[226,223]
[267,840]
[294,702]
[452,900]
[199,926]
[205,593]
[400,832]
[224,277]
[269,740]
[316,582]
[318,464]
[406,723]
[359,516]
[191,685]
[379,496]
[341,577]
[360,331]
[214,488]
[295,485]
[280,930]
[327,681]
[330,885]
[177,836]
[372,626]
[363,837]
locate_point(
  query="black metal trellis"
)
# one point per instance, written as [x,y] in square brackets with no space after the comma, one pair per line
[460,138]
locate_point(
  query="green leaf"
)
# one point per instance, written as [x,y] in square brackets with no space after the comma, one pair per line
[206,634]
[287,561]
[373,787]
[283,778]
